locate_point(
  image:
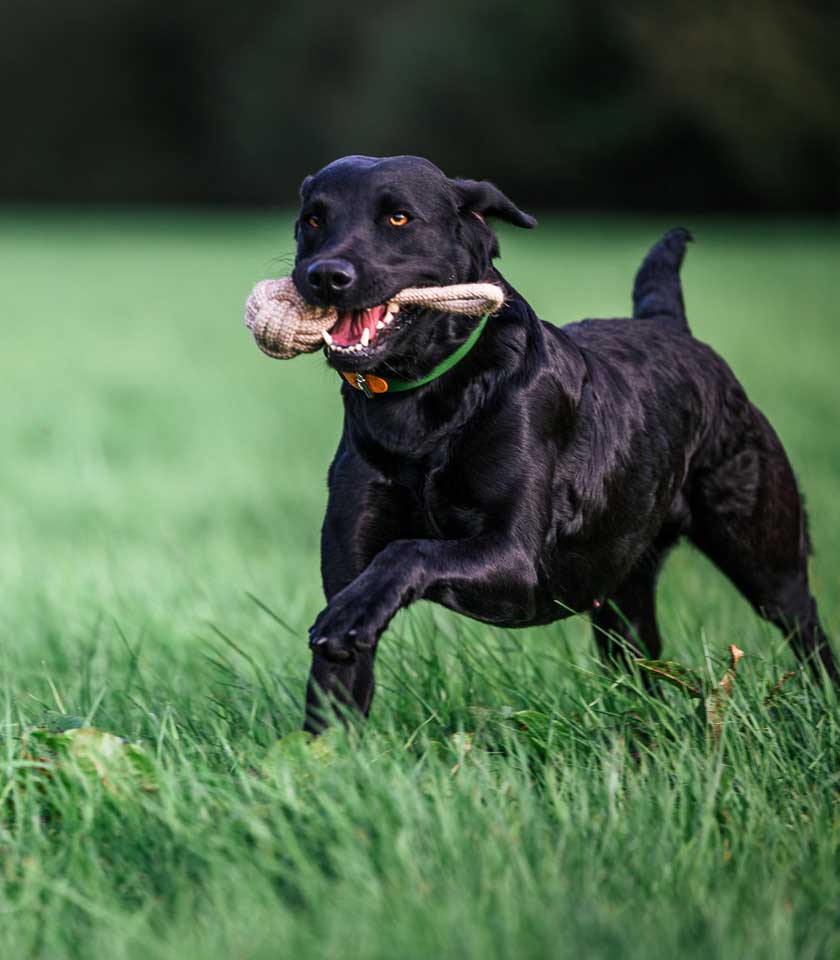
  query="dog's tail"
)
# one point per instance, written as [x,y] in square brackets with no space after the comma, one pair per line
[657,291]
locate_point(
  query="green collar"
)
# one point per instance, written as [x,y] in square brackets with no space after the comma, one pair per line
[370,384]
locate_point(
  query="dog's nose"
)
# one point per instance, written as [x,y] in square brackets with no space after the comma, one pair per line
[331,276]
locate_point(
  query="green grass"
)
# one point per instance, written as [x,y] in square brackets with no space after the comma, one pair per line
[158,473]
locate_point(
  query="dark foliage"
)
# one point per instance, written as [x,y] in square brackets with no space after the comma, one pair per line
[606,105]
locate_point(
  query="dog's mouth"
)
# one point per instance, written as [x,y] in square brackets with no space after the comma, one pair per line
[356,331]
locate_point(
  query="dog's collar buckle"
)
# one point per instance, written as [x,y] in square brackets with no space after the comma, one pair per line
[362,384]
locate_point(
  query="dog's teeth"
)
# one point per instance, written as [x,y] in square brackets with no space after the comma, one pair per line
[365,337]
[327,338]
[379,324]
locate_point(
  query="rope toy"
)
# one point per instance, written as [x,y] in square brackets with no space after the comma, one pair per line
[284,324]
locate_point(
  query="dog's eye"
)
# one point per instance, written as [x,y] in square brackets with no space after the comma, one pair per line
[314,221]
[398,219]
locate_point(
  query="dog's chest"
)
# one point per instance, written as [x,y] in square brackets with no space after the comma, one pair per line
[440,484]
[446,509]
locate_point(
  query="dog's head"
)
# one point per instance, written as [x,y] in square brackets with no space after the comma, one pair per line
[371,227]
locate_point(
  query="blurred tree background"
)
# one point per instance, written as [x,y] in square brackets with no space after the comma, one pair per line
[714,105]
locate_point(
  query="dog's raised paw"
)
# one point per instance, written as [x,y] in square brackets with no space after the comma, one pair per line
[340,646]
[333,649]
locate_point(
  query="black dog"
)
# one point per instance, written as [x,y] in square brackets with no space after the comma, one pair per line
[550,469]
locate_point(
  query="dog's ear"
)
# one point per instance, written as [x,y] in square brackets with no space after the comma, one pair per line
[304,187]
[484,199]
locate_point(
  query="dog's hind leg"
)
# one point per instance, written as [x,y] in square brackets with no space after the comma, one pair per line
[779,592]
[625,623]
[748,518]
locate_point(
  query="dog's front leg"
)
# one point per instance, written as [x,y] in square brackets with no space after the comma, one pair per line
[487,577]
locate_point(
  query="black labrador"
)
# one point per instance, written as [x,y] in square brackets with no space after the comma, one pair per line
[548,471]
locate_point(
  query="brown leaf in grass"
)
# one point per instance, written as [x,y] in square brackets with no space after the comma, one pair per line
[718,698]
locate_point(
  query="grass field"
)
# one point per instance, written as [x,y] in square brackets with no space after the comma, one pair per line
[161,489]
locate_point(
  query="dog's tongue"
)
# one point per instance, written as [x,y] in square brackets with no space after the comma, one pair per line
[350,326]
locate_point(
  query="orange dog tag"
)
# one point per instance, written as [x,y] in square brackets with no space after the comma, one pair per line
[376,384]
[366,382]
